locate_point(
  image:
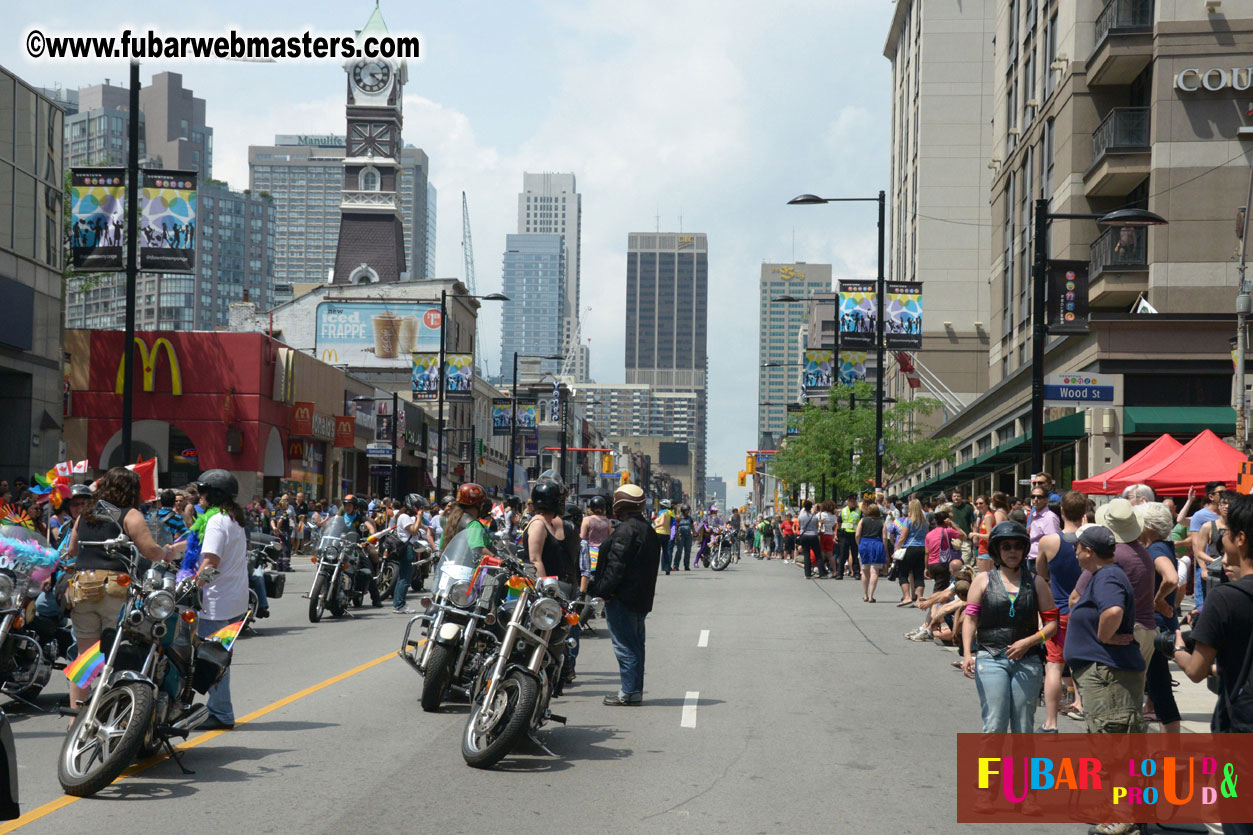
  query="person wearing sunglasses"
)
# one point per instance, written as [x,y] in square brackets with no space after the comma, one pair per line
[1046,481]
[1207,543]
[1041,521]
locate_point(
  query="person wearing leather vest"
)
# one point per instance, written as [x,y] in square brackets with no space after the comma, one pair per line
[1005,607]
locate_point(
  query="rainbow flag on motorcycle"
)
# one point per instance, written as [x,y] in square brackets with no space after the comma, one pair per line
[227,634]
[514,587]
[593,551]
[86,667]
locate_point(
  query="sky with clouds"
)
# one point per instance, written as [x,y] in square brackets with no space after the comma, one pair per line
[708,114]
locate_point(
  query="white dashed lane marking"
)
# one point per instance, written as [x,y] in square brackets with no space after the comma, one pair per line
[689,709]
[703,641]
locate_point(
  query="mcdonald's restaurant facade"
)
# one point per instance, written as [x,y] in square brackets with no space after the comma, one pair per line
[278,419]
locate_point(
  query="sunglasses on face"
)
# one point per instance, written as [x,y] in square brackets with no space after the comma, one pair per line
[1039,496]
[1012,546]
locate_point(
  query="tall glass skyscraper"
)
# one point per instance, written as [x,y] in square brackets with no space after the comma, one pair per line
[779,384]
[551,203]
[667,311]
[534,280]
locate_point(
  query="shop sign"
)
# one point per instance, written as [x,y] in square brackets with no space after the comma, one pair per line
[295,449]
[378,450]
[1192,79]
[323,426]
[146,363]
[302,418]
[345,431]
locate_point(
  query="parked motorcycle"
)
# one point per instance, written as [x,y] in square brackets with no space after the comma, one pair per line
[153,666]
[722,550]
[344,571]
[456,622]
[510,697]
[30,643]
[264,553]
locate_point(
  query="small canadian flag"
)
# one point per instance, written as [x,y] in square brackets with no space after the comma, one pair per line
[64,468]
[79,466]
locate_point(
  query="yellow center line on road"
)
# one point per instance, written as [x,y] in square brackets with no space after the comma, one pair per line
[61,802]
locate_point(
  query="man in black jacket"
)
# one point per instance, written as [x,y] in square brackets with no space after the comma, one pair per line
[626,578]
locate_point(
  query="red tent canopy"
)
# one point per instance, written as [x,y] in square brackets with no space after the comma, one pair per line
[1203,459]
[1151,455]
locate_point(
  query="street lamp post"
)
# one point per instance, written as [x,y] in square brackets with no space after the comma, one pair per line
[881,292]
[1039,328]
[513,421]
[443,347]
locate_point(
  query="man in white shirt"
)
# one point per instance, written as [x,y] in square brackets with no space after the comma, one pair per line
[225,601]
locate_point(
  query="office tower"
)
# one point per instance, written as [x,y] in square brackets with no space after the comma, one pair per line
[666,321]
[939,214]
[550,203]
[779,384]
[305,173]
[234,262]
[31,261]
[621,409]
[534,278]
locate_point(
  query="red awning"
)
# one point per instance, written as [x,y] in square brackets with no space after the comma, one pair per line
[1153,454]
[1203,459]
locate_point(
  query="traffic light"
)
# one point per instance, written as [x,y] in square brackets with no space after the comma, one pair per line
[750,465]
[606,462]
[743,479]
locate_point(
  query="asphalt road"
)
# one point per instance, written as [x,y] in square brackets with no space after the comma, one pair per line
[811,714]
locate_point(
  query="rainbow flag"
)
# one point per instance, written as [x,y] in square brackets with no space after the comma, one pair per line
[593,551]
[227,634]
[86,666]
[514,587]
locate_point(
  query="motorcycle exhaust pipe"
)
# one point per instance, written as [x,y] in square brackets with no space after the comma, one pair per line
[193,719]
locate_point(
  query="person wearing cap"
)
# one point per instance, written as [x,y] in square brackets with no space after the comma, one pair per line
[626,579]
[1100,644]
[663,526]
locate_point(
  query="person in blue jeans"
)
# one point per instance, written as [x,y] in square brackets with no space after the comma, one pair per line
[683,539]
[626,579]
[1004,607]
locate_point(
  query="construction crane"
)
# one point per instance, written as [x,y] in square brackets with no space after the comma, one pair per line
[467,253]
[572,350]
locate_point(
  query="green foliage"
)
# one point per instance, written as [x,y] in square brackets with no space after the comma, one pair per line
[836,442]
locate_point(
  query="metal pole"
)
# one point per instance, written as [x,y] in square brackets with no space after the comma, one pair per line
[394,485]
[473,453]
[881,286]
[513,427]
[439,453]
[1242,317]
[132,264]
[1039,331]
[565,420]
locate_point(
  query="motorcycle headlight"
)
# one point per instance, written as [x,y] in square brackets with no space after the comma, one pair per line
[159,605]
[460,594]
[6,591]
[546,614]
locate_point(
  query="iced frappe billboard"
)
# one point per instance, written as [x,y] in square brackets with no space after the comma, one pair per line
[375,334]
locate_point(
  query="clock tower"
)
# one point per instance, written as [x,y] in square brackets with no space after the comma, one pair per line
[371,246]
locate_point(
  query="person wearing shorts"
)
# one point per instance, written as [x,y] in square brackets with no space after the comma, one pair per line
[944,535]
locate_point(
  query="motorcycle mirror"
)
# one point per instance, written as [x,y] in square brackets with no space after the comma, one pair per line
[108,511]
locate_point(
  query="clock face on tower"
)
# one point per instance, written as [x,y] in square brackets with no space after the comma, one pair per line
[371,75]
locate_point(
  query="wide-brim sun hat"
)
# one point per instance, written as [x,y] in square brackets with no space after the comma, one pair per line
[1120,517]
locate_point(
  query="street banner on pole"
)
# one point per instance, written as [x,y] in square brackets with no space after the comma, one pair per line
[425,375]
[458,376]
[903,312]
[167,221]
[98,218]
[1068,297]
[853,366]
[502,415]
[818,376]
[858,314]
[526,418]
[794,412]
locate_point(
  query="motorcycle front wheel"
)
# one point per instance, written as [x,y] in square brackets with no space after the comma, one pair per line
[494,729]
[438,673]
[317,600]
[388,572]
[91,760]
[721,559]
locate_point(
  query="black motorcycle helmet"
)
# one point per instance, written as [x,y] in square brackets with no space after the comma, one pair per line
[598,503]
[220,484]
[80,491]
[547,496]
[414,502]
[1005,532]
[555,477]
[574,513]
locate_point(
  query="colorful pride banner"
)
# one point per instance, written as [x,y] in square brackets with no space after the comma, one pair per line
[858,314]
[97,218]
[818,374]
[502,415]
[167,221]
[902,323]
[852,366]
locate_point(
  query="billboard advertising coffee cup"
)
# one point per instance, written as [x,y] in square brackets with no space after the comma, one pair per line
[407,335]
[386,335]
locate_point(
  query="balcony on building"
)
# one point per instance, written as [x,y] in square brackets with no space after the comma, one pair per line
[1121,157]
[1118,270]
[1123,42]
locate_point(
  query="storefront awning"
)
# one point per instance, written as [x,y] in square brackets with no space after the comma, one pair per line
[1179,420]
[1056,433]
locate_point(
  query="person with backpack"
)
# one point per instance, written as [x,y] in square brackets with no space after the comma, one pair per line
[809,540]
[1224,633]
